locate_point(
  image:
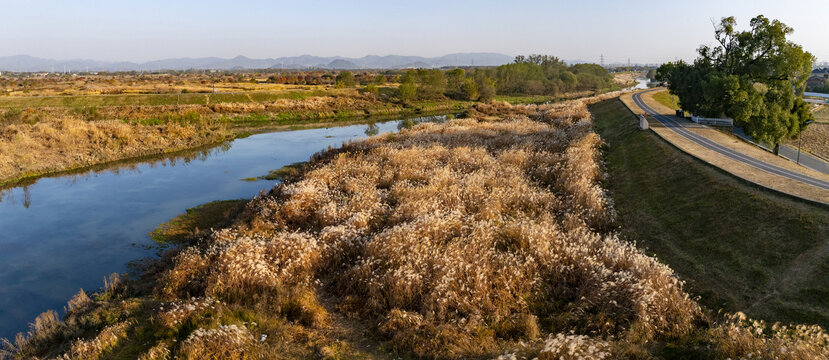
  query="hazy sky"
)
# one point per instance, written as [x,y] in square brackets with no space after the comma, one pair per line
[644,31]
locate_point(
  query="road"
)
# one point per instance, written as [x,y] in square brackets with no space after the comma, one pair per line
[806,160]
[678,127]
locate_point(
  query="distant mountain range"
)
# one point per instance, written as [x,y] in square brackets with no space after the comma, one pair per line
[25,63]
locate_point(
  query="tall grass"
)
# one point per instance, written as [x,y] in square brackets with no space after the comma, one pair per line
[64,143]
[454,240]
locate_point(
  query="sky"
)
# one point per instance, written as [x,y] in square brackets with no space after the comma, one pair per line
[138,31]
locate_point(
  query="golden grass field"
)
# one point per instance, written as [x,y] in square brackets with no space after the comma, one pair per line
[41,140]
[484,237]
[815,139]
[66,143]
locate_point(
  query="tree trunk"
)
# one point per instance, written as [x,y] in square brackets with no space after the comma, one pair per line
[776,149]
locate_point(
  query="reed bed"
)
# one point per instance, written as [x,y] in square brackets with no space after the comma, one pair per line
[65,143]
[483,237]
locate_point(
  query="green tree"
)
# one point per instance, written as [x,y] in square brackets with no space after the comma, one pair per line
[455,79]
[380,79]
[430,83]
[544,74]
[486,88]
[407,90]
[752,76]
[345,78]
[469,90]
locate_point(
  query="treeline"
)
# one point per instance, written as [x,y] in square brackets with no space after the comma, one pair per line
[327,77]
[527,75]
[531,75]
[547,75]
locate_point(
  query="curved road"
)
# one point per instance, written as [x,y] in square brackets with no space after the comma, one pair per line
[680,129]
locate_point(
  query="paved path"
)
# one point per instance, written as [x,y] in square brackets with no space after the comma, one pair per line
[806,160]
[789,152]
[671,123]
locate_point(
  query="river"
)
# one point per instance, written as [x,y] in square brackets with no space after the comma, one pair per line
[59,234]
[641,83]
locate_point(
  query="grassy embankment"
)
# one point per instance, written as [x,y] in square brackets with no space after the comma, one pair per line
[665,98]
[821,114]
[739,248]
[467,239]
[47,134]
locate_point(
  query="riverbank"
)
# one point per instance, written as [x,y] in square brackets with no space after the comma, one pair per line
[59,145]
[51,140]
[476,238]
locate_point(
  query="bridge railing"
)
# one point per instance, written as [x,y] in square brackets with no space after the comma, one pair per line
[712,121]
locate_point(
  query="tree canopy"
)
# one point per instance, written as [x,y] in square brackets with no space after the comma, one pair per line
[345,78]
[753,76]
[548,75]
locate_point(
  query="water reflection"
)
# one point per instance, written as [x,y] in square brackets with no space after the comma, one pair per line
[371,129]
[8,194]
[409,123]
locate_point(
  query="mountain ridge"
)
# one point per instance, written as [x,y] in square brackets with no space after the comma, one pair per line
[27,63]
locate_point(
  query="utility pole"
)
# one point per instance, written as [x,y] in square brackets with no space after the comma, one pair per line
[601,59]
[800,139]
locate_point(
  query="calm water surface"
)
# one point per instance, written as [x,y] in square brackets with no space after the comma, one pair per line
[64,233]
